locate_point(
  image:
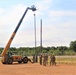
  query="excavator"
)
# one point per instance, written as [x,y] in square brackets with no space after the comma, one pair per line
[7,57]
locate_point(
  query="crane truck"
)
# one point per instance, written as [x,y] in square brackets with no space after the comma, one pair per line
[8,58]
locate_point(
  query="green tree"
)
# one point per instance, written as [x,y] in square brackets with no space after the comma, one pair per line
[53,48]
[1,49]
[73,45]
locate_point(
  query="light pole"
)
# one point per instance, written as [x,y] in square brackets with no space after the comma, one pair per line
[35,30]
[41,36]
[35,38]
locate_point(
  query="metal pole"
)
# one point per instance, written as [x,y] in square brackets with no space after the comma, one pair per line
[35,29]
[35,38]
[41,35]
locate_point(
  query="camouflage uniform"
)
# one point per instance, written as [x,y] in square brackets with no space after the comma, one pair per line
[33,58]
[45,60]
[40,59]
[52,61]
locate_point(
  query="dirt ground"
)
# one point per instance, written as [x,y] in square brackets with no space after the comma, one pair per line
[37,69]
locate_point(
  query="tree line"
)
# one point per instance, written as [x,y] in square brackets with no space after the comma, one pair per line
[59,50]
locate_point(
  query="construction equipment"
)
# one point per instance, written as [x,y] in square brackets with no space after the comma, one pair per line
[8,58]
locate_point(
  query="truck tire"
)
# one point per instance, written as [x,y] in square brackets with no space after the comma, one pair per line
[3,62]
[9,61]
[25,60]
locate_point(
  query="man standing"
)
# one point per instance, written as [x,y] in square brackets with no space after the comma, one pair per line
[45,60]
[52,61]
[41,59]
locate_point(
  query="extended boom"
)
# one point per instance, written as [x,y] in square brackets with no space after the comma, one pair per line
[3,54]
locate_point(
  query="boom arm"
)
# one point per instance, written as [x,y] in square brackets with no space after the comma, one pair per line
[14,33]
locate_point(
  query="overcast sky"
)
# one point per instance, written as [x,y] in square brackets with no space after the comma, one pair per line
[58,16]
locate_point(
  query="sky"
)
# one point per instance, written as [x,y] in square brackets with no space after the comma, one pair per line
[58,22]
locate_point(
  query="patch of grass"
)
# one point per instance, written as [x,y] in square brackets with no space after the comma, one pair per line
[0,58]
[66,60]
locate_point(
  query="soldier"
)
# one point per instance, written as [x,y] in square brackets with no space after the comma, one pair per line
[52,61]
[45,60]
[41,59]
[33,58]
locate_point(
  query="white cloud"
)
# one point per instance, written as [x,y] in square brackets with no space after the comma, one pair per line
[10,19]
[62,13]
[54,33]
[43,6]
[13,15]
[1,11]
[57,34]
